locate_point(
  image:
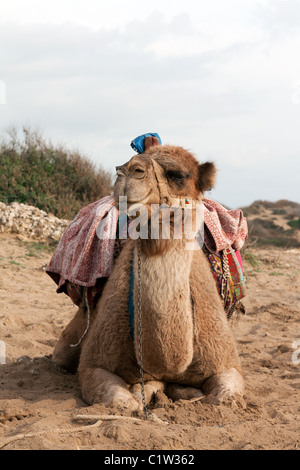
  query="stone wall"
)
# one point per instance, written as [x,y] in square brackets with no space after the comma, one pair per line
[30,222]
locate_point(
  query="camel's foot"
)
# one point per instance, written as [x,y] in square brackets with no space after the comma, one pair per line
[183,392]
[150,389]
[101,386]
[228,386]
[121,399]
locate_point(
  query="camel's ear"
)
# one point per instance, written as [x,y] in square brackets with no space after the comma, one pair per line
[150,141]
[206,176]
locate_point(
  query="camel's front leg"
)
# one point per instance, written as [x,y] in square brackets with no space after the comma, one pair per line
[66,355]
[100,386]
[225,386]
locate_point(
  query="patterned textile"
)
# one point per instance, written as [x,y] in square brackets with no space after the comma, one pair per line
[76,292]
[236,274]
[81,256]
[223,227]
[85,256]
[231,287]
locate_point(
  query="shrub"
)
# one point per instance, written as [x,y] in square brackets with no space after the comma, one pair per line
[280,242]
[294,223]
[51,178]
[265,233]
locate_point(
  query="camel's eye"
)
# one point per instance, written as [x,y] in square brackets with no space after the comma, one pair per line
[138,173]
[176,176]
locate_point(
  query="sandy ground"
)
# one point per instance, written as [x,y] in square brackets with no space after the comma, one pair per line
[38,403]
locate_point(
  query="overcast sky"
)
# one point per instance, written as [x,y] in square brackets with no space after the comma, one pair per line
[220,78]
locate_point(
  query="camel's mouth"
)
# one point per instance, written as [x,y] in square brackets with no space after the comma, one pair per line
[138,206]
[140,201]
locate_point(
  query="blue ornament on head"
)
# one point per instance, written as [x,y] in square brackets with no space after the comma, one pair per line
[143,142]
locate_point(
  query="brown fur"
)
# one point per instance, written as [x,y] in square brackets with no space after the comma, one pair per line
[187,344]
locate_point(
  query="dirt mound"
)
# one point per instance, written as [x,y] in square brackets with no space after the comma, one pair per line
[274,223]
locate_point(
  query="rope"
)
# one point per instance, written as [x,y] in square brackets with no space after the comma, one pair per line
[98,418]
[42,433]
[87,305]
[152,417]
[140,331]
[226,275]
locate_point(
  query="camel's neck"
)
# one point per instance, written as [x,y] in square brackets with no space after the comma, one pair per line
[167,319]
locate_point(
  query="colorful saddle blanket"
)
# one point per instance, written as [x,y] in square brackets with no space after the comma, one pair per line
[227,270]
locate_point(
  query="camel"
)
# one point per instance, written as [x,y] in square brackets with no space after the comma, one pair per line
[179,340]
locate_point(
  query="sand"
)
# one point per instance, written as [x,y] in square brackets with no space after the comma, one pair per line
[38,402]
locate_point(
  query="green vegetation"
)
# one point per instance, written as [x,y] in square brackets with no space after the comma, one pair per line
[279,242]
[34,172]
[16,263]
[251,258]
[38,249]
[294,223]
[279,211]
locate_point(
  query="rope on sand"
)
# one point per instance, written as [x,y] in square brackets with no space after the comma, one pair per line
[98,418]
[152,417]
[48,431]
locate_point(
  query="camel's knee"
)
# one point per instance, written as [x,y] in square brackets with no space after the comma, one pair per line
[101,386]
[225,386]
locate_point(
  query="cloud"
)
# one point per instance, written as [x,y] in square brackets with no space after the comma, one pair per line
[279,17]
[96,89]
[107,75]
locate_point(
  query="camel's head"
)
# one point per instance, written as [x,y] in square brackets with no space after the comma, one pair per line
[164,174]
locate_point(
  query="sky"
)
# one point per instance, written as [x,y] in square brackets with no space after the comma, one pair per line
[221,79]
